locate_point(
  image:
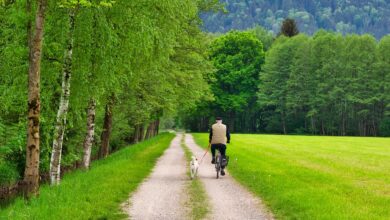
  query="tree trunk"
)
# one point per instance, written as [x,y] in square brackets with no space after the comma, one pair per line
[200,124]
[344,122]
[254,123]
[343,126]
[313,126]
[29,27]
[152,129]
[136,134]
[149,130]
[31,173]
[107,129]
[88,141]
[55,162]
[364,128]
[232,120]
[283,123]
[374,128]
[141,133]
[157,127]
[323,128]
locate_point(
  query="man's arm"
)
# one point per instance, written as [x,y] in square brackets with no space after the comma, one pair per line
[211,135]
[227,135]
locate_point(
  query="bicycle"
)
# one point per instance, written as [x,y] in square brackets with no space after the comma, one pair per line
[219,162]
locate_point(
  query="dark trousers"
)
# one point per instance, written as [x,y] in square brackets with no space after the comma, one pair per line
[220,147]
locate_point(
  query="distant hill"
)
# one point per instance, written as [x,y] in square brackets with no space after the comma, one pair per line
[345,16]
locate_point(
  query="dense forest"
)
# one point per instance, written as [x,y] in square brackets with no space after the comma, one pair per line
[325,84]
[80,79]
[358,16]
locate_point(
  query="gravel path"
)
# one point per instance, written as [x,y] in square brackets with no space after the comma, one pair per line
[161,196]
[228,198]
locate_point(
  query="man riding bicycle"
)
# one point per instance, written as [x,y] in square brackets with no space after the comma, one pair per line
[219,136]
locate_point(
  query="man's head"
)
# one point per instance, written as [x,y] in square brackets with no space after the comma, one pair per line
[218,120]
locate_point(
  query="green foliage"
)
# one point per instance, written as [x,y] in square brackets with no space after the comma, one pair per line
[12,152]
[13,61]
[325,84]
[237,57]
[385,127]
[383,69]
[150,56]
[84,3]
[8,173]
[298,177]
[273,85]
[97,193]
[266,37]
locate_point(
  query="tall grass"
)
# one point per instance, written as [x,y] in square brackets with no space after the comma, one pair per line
[98,193]
[306,177]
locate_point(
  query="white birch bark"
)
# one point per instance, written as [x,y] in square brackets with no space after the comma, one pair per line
[87,146]
[55,161]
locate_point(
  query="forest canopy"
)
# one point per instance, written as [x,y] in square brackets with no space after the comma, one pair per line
[325,84]
[358,16]
[95,76]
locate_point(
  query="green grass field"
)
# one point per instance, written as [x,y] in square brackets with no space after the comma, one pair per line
[98,193]
[312,177]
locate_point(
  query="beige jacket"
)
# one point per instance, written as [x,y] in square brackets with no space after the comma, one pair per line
[219,134]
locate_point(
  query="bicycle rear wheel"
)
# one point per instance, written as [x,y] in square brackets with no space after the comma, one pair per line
[217,165]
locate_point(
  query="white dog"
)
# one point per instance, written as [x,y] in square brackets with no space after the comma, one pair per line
[194,166]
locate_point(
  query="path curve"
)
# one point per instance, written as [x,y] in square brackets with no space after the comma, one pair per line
[161,196]
[229,200]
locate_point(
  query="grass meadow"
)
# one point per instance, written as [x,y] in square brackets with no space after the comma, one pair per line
[314,177]
[98,193]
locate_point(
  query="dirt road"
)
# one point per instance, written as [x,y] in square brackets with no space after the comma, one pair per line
[162,196]
[228,198]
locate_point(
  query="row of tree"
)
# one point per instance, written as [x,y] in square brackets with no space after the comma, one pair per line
[326,84]
[95,66]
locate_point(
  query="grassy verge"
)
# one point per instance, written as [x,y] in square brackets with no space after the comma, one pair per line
[197,200]
[311,177]
[98,193]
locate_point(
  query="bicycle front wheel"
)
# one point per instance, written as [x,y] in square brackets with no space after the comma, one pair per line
[218,165]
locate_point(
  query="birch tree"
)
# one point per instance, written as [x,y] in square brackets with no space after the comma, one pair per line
[55,162]
[87,146]
[102,59]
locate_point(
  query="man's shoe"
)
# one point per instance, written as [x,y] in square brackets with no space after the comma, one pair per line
[213,161]
[222,173]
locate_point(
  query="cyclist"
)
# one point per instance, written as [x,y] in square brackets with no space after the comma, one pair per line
[219,136]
